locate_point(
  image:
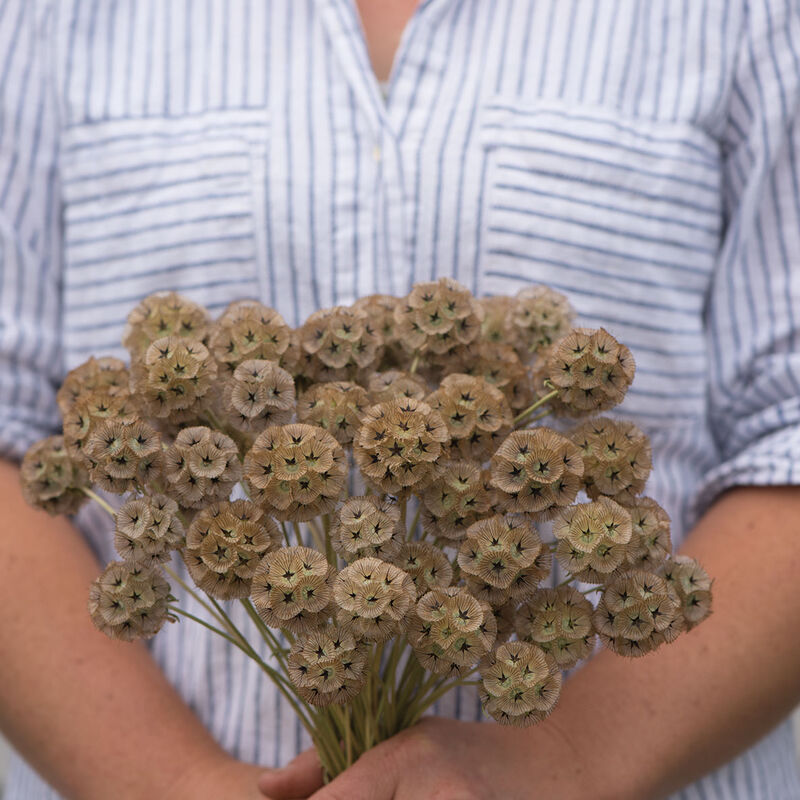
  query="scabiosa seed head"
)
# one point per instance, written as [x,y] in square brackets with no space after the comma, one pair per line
[295,471]
[592,370]
[291,589]
[108,375]
[51,480]
[691,584]
[560,622]
[338,407]
[374,598]
[384,386]
[202,465]
[148,529]
[379,309]
[617,458]
[427,566]
[259,393]
[164,314]
[497,324]
[367,526]
[399,445]
[538,471]
[521,684]
[650,543]
[248,330]
[129,602]
[540,317]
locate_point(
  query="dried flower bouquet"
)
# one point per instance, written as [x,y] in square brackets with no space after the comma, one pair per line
[435,574]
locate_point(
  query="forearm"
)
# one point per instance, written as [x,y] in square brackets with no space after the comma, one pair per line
[95,717]
[658,723]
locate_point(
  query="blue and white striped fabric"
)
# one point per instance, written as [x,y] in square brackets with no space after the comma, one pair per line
[639,155]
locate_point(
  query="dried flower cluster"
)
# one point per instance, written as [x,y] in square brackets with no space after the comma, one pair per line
[375,487]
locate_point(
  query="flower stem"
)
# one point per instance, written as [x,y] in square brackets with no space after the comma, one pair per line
[530,409]
[99,500]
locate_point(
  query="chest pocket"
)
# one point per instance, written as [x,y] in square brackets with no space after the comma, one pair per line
[621,214]
[159,204]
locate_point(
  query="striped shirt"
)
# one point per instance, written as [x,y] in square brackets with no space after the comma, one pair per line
[639,155]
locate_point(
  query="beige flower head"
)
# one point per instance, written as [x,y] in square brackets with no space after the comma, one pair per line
[339,338]
[540,317]
[224,545]
[174,377]
[248,330]
[525,583]
[560,622]
[259,394]
[538,471]
[399,445]
[636,610]
[477,415]
[379,309]
[164,314]
[328,665]
[129,602]
[499,549]
[617,458]
[592,370]
[291,589]
[125,454]
[148,529]
[338,407]
[51,480]
[692,586]
[367,526]
[456,498]
[593,538]
[395,384]
[374,598]
[437,316]
[427,566]
[107,375]
[201,466]
[295,471]
[497,325]
[651,544]
[451,630]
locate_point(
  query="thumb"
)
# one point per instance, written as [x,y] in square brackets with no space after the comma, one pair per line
[300,778]
[372,777]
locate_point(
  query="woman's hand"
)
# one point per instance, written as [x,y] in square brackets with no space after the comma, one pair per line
[218,779]
[442,759]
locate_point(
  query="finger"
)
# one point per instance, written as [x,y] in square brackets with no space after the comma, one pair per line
[372,777]
[301,777]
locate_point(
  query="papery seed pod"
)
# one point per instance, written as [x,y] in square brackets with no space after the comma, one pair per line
[634,606]
[147,530]
[560,622]
[692,585]
[497,325]
[125,454]
[258,394]
[456,498]
[339,338]
[650,544]
[374,598]
[392,384]
[291,589]
[328,666]
[451,629]
[540,317]
[592,370]
[499,549]
[379,310]
[367,526]
[51,480]
[248,330]
[476,414]
[129,602]
[164,314]
[224,545]
[107,375]
[537,470]
[337,407]
[617,458]
[399,445]
[521,684]
[296,472]
[174,377]
[201,465]
[437,316]
[525,583]
[506,617]
[427,566]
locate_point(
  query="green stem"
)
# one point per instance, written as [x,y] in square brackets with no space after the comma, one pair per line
[415,520]
[208,625]
[540,402]
[189,590]
[99,500]
[414,363]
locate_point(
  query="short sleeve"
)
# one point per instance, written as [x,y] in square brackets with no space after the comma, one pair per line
[30,315]
[753,310]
